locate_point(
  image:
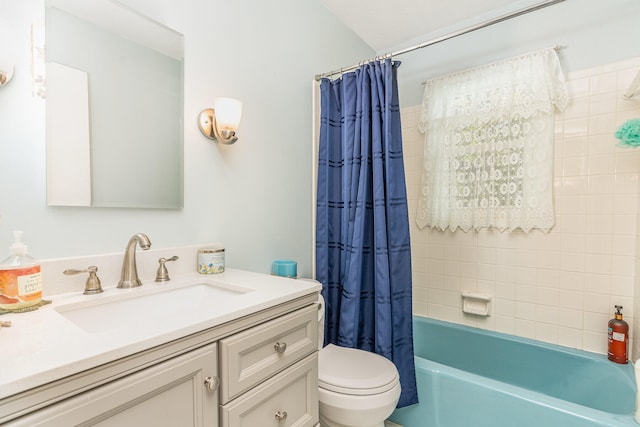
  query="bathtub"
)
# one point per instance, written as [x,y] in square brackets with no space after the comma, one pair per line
[471,377]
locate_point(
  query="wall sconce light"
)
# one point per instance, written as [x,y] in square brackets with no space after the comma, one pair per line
[6,73]
[7,52]
[221,121]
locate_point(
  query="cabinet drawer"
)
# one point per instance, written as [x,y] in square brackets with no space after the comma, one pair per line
[288,399]
[252,356]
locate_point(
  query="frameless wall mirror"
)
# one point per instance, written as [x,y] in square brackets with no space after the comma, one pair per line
[114,101]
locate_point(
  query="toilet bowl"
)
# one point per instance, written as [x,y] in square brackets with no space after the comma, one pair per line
[356,388]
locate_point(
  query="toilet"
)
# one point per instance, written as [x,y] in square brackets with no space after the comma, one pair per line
[356,388]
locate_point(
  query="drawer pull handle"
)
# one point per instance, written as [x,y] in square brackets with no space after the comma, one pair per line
[280,347]
[281,416]
[211,383]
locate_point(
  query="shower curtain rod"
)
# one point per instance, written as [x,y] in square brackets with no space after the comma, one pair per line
[449,36]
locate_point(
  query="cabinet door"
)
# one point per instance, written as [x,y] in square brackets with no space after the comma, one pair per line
[290,399]
[173,393]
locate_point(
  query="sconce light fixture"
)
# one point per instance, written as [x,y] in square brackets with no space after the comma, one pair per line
[6,73]
[7,52]
[221,121]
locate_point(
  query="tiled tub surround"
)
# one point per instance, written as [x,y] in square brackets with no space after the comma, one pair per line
[558,287]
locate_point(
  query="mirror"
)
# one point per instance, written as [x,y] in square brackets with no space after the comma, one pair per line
[114,101]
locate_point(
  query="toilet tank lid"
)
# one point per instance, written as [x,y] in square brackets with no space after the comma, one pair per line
[352,371]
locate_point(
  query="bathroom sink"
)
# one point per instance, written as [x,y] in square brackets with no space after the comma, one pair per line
[142,307]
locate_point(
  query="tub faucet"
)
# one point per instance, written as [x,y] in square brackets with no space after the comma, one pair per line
[129,275]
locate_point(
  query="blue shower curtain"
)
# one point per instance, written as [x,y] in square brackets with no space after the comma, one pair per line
[363,253]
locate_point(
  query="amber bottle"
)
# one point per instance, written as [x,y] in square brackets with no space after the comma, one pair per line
[618,338]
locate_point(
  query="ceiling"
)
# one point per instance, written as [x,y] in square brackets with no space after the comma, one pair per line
[415,21]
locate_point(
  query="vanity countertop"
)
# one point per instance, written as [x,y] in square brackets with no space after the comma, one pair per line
[43,345]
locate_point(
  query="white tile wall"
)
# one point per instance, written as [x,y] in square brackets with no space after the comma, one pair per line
[558,287]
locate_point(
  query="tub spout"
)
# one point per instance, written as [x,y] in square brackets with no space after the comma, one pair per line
[129,275]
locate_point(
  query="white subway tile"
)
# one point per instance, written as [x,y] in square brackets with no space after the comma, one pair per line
[525,328]
[435,281]
[577,146]
[596,303]
[599,224]
[624,224]
[601,184]
[578,87]
[595,342]
[547,333]
[600,204]
[504,307]
[622,286]
[574,166]
[603,103]
[526,293]
[627,161]
[595,322]
[605,82]
[572,281]
[602,124]
[571,299]
[598,263]
[577,107]
[598,244]
[576,127]
[549,278]
[505,290]
[602,144]
[548,296]
[435,296]
[570,337]
[623,265]
[602,164]
[626,183]
[506,325]
[451,299]
[574,205]
[572,261]
[597,283]
[486,272]
[570,318]
[623,244]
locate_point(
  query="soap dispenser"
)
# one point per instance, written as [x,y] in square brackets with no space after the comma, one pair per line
[20,278]
[618,339]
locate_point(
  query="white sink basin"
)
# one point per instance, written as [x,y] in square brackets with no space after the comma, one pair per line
[135,308]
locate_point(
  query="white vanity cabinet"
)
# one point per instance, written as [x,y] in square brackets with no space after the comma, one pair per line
[168,394]
[259,370]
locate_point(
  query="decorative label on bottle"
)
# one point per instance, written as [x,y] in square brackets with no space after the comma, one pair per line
[618,338]
[20,287]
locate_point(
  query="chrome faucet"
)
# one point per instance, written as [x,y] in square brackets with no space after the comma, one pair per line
[129,275]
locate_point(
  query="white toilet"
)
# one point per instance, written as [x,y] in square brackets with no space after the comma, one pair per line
[356,388]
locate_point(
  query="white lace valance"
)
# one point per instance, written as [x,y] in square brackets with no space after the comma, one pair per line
[488,155]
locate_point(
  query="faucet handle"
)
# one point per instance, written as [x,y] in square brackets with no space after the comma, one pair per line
[162,275]
[92,285]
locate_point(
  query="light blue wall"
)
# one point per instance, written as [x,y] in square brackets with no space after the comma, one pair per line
[594,32]
[254,196]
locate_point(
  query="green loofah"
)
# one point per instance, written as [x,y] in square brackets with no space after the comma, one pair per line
[629,133]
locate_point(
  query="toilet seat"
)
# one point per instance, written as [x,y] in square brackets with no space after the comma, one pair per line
[355,372]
